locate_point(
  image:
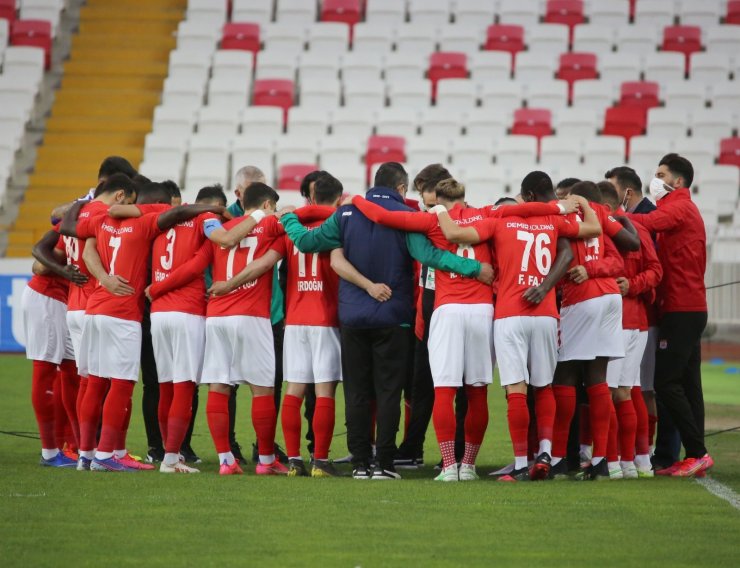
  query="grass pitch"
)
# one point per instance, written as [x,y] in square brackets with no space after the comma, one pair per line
[60,518]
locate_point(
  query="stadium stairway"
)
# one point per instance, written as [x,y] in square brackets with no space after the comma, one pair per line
[110,86]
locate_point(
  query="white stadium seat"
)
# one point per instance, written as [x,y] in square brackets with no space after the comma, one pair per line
[295,11]
[489,66]
[229,92]
[364,95]
[552,38]
[395,121]
[492,122]
[638,38]
[257,11]
[669,123]
[321,94]
[609,15]
[412,38]
[709,67]
[410,93]
[319,66]
[655,13]
[429,13]
[437,122]
[591,38]
[385,12]
[456,93]
[328,38]
[521,12]
[173,121]
[371,37]
[352,122]
[575,122]
[308,122]
[474,13]
[515,150]
[232,63]
[460,37]
[505,96]
[262,122]
[218,120]
[710,123]
[664,67]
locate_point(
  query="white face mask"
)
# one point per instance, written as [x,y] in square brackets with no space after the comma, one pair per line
[659,189]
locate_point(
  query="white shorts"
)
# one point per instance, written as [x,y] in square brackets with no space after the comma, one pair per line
[178,340]
[527,349]
[75,321]
[45,328]
[239,349]
[625,372]
[591,329]
[110,348]
[311,354]
[647,365]
[461,345]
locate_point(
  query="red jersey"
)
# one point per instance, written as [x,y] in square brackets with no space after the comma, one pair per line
[587,251]
[123,246]
[73,249]
[525,251]
[644,272]
[50,285]
[312,290]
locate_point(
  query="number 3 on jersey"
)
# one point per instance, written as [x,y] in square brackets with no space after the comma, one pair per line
[542,254]
[248,243]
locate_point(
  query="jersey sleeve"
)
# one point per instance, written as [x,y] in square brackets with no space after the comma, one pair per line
[659,220]
[566,227]
[279,246]
[652,271]
[408,221]
[610,265]
[149,222]
[610,225]
[186,273]
[273,229]
[532,209]
[424,252]
[86,227]
[326,236]
[211,224]
[485,228]
[147,208]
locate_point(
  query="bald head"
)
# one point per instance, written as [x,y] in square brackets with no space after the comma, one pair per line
[245,177]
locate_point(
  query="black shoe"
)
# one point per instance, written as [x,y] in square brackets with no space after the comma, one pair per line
[541,468]
[598,472]
[404,462]
[189,455]
[236,449]
[154,455]
[380,473]
[325,468]
[280,455]
[521,474]
[559,471]
[296,468]
[361,471]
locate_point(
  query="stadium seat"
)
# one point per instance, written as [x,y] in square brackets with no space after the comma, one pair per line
[229,92]
[668,123]
[591,38]
[575,122]
[384,149]
[364,95]
[504,37]
[173,121]
[162,150]
[259,11]
[197,36]
[33,33]
[603,153]
[352,176]
[429,13]
[560,150]
[262,123]
[474,13]
[710,68]
[446,65]
[295,150]
[385,12]
[521,12]
[4,35]
[276,64]
[683,39]
[241,36]
[642,94]
[625,121]
[685,95]
[290,176]
[701,14]
[287,37]
[593,94]
[25,65]
[247,149]
[183,93]
[638,38]
[207,11]
[710,123]
[548,37]
[702,152]
[725,95]
[506,96]
[218,121]
[463,38]
[664,67]
[189,66]
[532,66]
[404,66]
[335,151]
[392,121]
[646,151]
[352,122]
[723,39]
[489,66]
[619,67]
[410,94]
[608,15]
[532,122]
[456,94]
[319,66]
[295,12]
[729,152]
[7,11]
[547,94]
[232,64]
[42,10]
[320,94]
[346,11]
[274,92]
[487,122]
[472,152]
[567,12]
[374,38]
[425,150]
[655,13]
[722,182]
[575,67]
[517,150]
[441,122]
[328,38]
[364,67]
[733,12]
[484,185]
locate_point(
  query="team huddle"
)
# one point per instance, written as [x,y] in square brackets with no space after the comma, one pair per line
[574,297]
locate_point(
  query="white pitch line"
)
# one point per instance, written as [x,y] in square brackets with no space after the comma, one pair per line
[720,490]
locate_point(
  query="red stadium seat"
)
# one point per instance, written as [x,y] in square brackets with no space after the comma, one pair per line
[242,36]
[347,11]
[633,4]
[625,121]
[733,12]
[274,92]
[384,149]
[532,122]
[568,12]
[729,151]
[291,175]
[642,94]
[577,66]
[34,33]
[684,39]
[7,11]
[446,65]
[500,37]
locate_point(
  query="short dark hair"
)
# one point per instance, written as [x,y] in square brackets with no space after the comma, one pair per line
[172,187]
[307,180]
[212,193]
[154,192]
[537,183]
[256,194]
[679,167]
[327,189]
[626,178]
[115,165]
[502,200]
[609,194]
[567,183]
[429,176]
[587,189]
[117,182]
[391,174]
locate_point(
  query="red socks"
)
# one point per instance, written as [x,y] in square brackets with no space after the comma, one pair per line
[166,392]
[642,443]
[42,399]
[178,419]
[217,412]
[116,410]
[264,419]
[600,405]
[323,426]
[518,417]
[290,418]
[78,404]
[627,418]
[565,407]
[612,445]
[123,430]
[443,418]
[90,410]
[70,389]
[544,407]
[476,422]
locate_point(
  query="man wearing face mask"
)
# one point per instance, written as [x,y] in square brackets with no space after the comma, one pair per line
[682,305]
